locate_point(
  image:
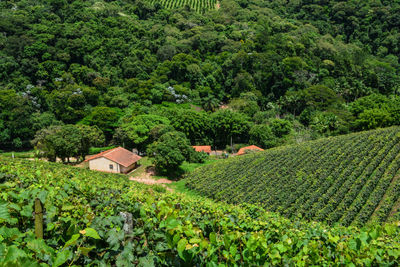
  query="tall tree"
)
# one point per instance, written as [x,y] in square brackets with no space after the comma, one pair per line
[105,118]
[229,126]
[170,151]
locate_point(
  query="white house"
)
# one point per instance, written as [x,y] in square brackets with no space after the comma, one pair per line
[117,160]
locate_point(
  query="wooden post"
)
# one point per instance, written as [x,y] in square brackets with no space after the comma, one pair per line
[38,218]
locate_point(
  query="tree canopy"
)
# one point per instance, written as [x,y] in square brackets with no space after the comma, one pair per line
[112,64]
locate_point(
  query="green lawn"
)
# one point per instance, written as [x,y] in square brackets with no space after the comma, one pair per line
[188,167]
[31,153]
[185,168]
[179,186]
[21,154]
[143,164]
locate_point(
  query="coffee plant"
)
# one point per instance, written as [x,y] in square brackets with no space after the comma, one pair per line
[351,179]
[200,6]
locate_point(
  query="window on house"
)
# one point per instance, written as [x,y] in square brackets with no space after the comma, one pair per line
[111,166]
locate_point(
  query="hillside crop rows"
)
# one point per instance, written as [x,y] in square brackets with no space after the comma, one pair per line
[83,226]
[197,5]
[349,179]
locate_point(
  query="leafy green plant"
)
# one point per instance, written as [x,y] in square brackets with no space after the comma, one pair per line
[84,226]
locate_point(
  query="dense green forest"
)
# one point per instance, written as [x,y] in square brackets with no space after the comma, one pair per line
[282,71]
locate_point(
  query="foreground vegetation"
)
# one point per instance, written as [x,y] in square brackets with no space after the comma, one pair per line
[350,179]
[84,226]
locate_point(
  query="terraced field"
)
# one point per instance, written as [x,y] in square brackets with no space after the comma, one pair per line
[351,179]
[197,5]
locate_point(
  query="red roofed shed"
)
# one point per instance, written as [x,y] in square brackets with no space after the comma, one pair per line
[244,150]
[205,149]
[118,160]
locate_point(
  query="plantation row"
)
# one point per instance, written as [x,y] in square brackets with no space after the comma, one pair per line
[197,5]
[83,226]
[349,179]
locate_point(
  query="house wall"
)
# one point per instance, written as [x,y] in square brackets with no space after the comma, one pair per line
[129,168]
[103,164]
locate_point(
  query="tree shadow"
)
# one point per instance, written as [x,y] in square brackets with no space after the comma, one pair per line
[175,175]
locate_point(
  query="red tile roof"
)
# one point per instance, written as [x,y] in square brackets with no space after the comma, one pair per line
[119,155]
[206,149]
[244,149]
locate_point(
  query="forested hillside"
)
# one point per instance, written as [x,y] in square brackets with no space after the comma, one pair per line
[372,24]
[284,75]
[83,225]
[351,179]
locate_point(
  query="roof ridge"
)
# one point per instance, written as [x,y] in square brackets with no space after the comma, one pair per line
[110,150]
[118,155]
[101,154]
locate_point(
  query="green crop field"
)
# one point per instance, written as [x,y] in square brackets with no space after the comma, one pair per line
[197,5]
[351,179]
[83,226]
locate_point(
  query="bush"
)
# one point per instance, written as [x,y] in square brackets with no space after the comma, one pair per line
[280,127]
[236,148]
[169,152]
[373,118]
[328,123]
[96,150]
[197,157]
[159,188]
[262,135]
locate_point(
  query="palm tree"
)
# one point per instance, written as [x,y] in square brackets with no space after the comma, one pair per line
[210,103]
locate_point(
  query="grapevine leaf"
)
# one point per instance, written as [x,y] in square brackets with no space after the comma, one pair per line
[62,257]
[72,241]
[85,251]
[91,233]
[213,238]
[181,247]
[13,254]
[4,214]
[39,246]
[333,239]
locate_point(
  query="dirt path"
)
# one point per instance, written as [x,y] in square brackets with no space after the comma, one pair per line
[146,178]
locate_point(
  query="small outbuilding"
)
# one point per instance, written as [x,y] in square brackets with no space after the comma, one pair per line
[117,160]
[205,149]
[246,149]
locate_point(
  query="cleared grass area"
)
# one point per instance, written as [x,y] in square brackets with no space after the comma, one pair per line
[32,153]
[180,186]
[188,167]
[145,163]
[21,154]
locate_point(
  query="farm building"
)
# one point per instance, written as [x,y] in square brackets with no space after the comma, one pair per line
[205,149]
[117,160]
[245,149]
